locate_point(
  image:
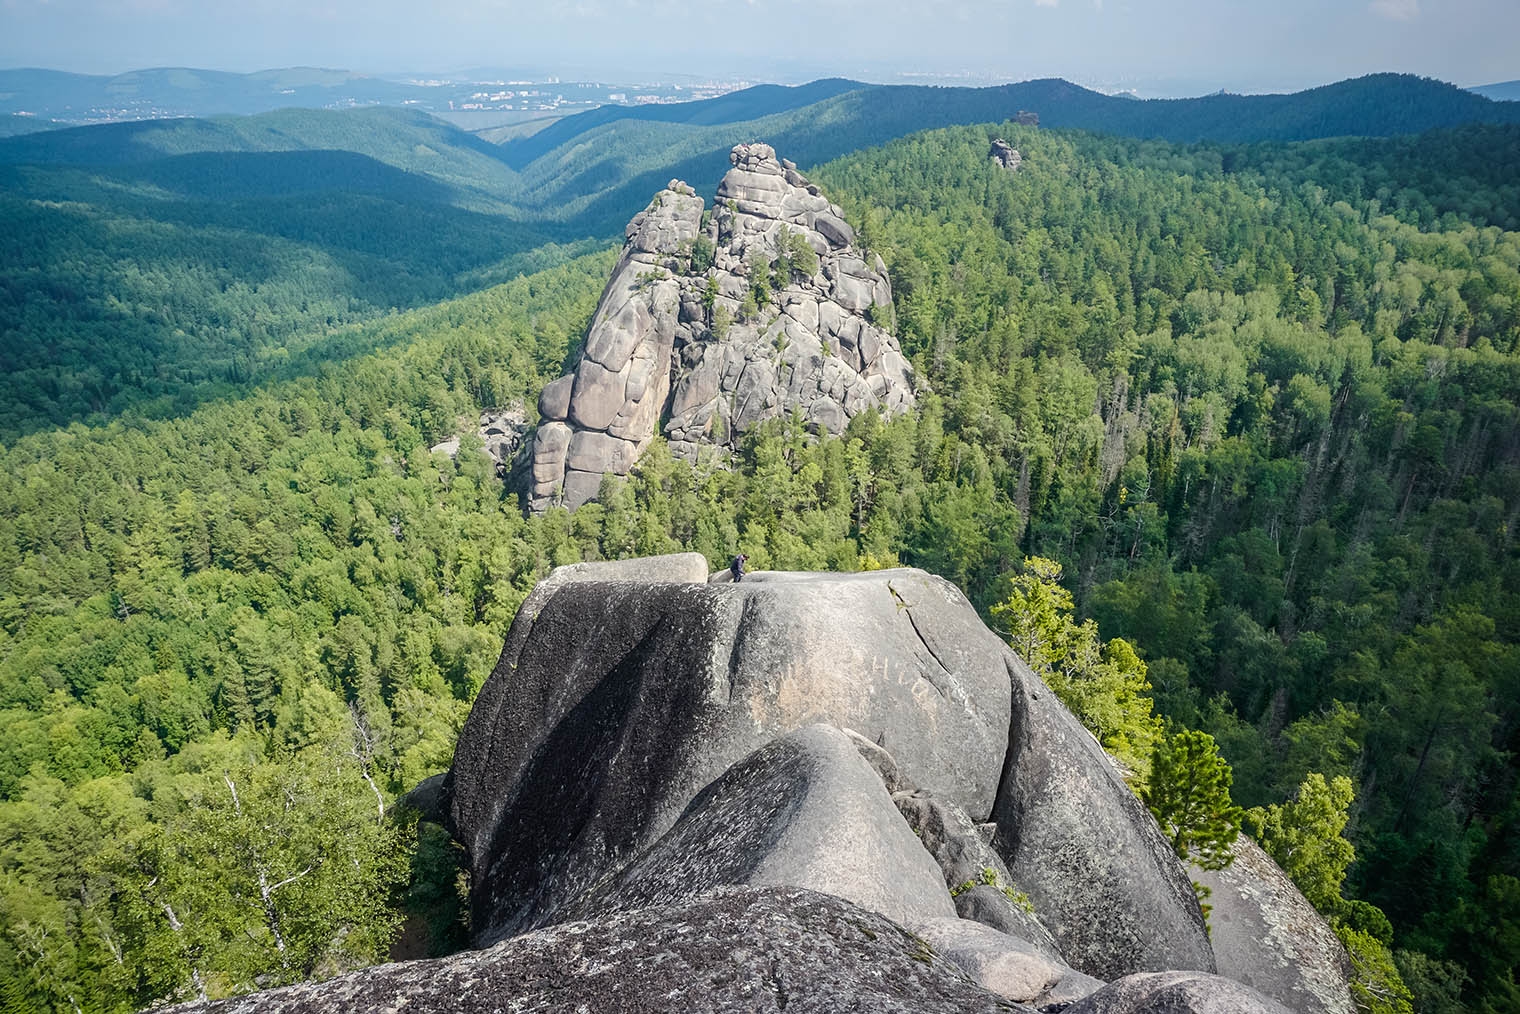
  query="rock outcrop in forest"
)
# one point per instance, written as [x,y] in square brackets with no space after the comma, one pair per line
[811,792]
[714,321]
[1005,155]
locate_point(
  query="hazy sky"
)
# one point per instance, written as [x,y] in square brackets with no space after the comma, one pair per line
[1262,44]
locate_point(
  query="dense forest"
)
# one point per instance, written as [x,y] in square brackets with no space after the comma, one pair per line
[1250,409]
[161,264]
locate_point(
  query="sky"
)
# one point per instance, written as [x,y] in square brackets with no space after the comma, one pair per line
[1155,46]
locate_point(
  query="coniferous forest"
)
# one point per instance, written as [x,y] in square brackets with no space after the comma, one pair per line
[1225,438]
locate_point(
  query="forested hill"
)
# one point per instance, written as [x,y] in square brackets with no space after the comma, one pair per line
[154,265]
[735,107]
[475,170]
[1376,105]
[601,170]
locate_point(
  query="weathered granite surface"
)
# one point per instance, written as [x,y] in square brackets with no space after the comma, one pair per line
[805,810]
[1101,876]
[1176,993]
[1267,935]
[737,951]
[1005,155]
[615,702]
[968,862]
[1007,965]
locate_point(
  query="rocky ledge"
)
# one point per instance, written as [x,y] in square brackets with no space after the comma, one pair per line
[714,321]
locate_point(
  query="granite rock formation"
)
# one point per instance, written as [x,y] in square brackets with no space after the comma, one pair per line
[501,431]
[616,701]
[1116,899]
[662,772]
[741,950]
[1267,935]
[1180,992]
[1005,155]
[1007,965]
[714,322]
[983,889]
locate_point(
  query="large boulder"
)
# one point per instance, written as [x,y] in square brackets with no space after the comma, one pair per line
[805,810]
[736,951]
[1268,936]
[615,702]
[1007,965]
[1176,993]
[1100,874]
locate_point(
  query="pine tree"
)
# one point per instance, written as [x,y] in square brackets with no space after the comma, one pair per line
[1189,793]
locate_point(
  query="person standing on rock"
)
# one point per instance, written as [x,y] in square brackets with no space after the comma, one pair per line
[737,567]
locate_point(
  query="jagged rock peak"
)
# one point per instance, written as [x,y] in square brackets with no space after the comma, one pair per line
[714,322]
[1005,155]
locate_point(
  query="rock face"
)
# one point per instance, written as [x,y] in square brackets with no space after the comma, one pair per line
[805,810]
[615,702]
[1006,965]
[1268,936]
[1180,992]
[1101,876]
[680,344]
[1005,155]
[662,772]
[737,951]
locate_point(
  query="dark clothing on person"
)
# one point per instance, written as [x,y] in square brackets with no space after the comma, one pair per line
[737,567]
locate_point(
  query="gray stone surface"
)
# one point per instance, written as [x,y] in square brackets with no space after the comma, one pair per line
[614,703]
[736,951]
[1176,993]
[965,860]
[1008,966]
[805,810]
[554,399]
[883,763]
[672,568]
[652,349]
[1268,936]
[1005,155]
[1101,876]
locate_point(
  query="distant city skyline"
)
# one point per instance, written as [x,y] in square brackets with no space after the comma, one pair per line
[1160,47]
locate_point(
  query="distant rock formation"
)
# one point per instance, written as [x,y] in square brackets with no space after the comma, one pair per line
[1005,155]
[714,322]
[501,431]
[1027,119]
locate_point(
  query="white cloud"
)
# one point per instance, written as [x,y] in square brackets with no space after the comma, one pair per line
[1046,3]
[1398,10]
